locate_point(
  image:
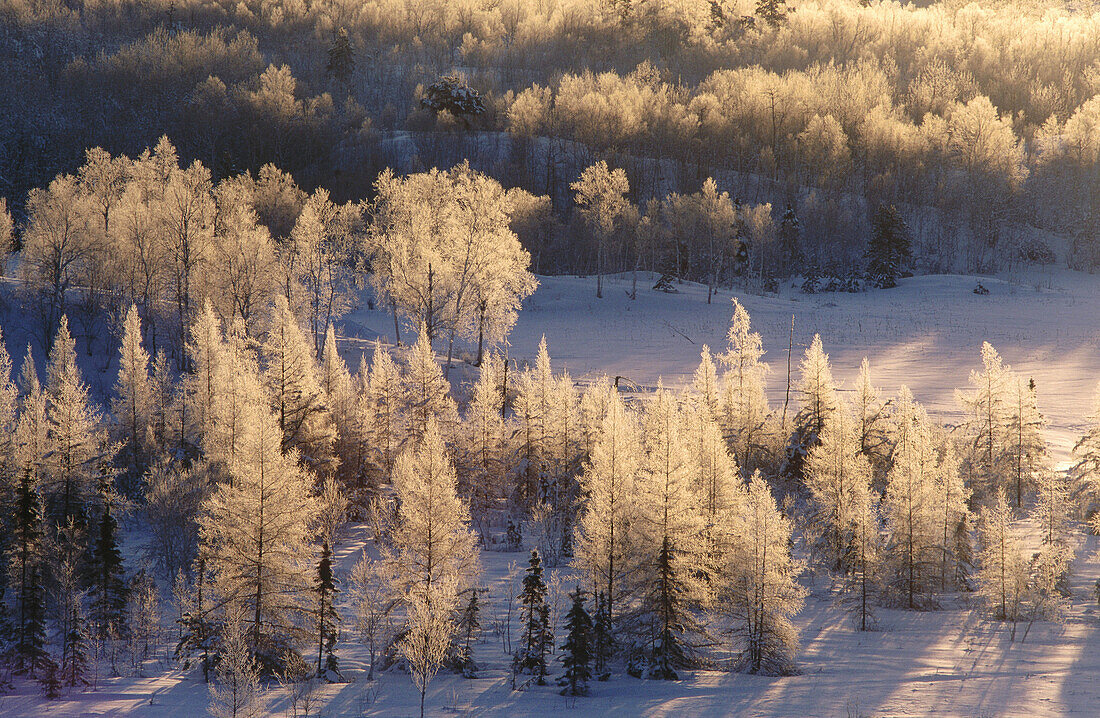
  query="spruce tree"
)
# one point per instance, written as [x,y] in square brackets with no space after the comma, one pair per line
[341,56]
[25,566]
[469,627]
[578,648]
[790,228]
[108,585]
[327,618]
[889,248]
[537,640]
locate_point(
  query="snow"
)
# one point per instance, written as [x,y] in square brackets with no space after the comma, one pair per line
[927,334]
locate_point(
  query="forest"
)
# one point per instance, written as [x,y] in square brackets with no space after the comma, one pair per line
[207,470]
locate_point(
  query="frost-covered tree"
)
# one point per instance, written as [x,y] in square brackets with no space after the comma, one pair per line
[1002,571]
[988,410]
[109,593]
[817,392]
[864,580]
[234,692]
[839,481]
[1025,448]
[290,376]
[873,423]
[763,594]
[953,517]
[706,388]
[600,194]
[255,530]
[604,549]
[203,387]
[372,598]
[328,619]
[173,499]
[73,437]
[666,543]
[432,541]
[1085,471]
[133,397]
[429,633]
[484,437]
[381,413]
[427,396]
[718,492]
[744,403]
[910,501]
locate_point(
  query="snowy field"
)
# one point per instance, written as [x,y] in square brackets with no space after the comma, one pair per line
[950,662]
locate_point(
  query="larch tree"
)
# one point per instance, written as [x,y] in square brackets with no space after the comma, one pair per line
[9,402]
[381,413]
[234,693]
[838,477]
[427,396]
[871,414]
[290,374]
[864,580]
[203,386]
[132,401]
[707,392]
[667,543]
[909,503]
[1002,571]
[1025,447]
[952,502]
[762,594]
[600,195]
[718,490]
[429,633]
[987,406]
[372,600]
[74,439]
[744,403]
[604,549]
[1085,471]
[485,437]
[255,529]
[432,541]
[818,395]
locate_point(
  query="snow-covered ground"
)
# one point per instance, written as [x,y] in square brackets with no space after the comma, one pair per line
[950,662]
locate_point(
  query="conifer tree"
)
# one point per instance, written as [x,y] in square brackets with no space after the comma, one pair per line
[864,579]
[132,402]
[432,541]
[372,599]
[602,643]
[469,627]
[429,633]
[987,461]
[817,392]
[839,480]
[290,375]
[168,412]
[909,504]
[773,12]
[68,600]
[1085,472]
[26,567]
[889,248]
[604,550]
[240,386]
[953,517]
[872,419]
[383,411]
[763,594]
[340,398]
[73,435]
[255,530]
[427,393]
[538,639]
[667,541]
[577,651]
[233,693]
[327,618]
[1025,448]
[485,436]
[108,585]
[719,493]
[704,383]
[9,399]
[1002,573]
[745,406]
[203,387]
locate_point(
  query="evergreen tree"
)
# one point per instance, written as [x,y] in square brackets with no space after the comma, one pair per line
[538,639]
[578,647]
[108,585]
[469,627]
[889,248]
[341,56]
[327,617]
[602,643]
[26,569]
[668,531]
[789,233]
